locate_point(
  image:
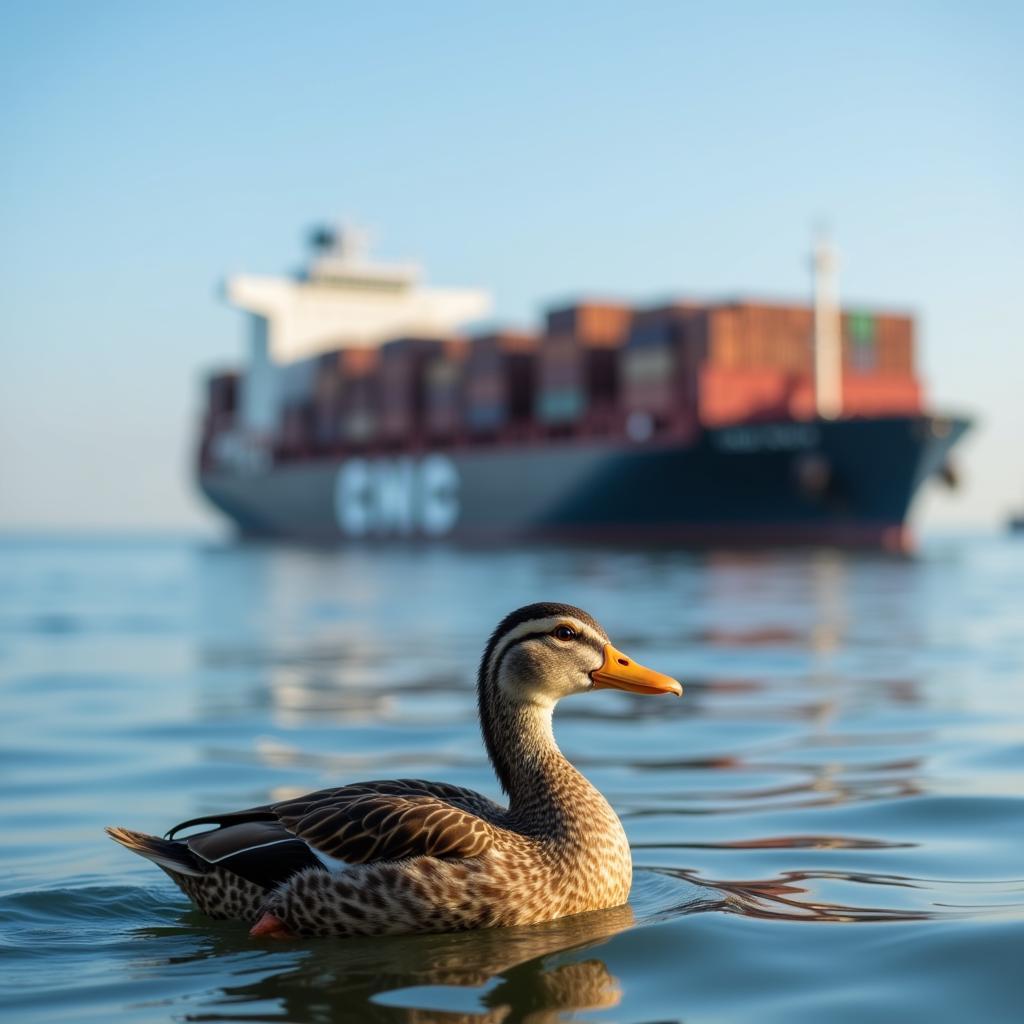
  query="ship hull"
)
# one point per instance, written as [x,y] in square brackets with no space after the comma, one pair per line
[843,482]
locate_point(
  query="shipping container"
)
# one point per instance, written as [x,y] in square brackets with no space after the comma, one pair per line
[445,399]
[594,323]
[658,366]
[578,366]
[402,386]
[575,380]
[358,408]
[760,364]
[881,395]
[499,382]
[757,336]
[345,397]
[878,343]
[730,395]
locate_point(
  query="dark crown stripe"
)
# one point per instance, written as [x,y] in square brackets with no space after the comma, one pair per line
[541,610]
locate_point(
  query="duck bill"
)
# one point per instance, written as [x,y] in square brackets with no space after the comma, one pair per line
[620,672]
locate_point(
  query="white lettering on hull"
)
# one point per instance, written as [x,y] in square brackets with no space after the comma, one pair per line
[400,497]
[775,437]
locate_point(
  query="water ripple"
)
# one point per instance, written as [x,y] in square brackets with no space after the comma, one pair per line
[850,750]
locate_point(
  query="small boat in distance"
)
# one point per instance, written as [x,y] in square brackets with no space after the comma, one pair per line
[368,411]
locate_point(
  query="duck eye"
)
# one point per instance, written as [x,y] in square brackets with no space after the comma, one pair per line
[564,633]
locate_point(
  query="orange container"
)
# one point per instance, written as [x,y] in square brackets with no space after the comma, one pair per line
[595,323]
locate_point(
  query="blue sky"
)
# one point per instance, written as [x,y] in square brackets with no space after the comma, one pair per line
[539,150]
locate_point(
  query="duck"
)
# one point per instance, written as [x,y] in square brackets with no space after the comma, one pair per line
[404,856]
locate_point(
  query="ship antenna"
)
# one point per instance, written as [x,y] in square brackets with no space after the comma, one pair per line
[344,242]
[828,352]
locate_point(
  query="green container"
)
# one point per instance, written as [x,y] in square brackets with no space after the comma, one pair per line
[863,352]
[560,405]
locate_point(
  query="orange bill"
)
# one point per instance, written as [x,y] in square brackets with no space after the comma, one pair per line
[621,673]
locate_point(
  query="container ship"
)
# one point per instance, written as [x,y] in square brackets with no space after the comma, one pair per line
[370,410]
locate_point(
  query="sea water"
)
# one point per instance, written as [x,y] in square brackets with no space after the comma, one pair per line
[829,826]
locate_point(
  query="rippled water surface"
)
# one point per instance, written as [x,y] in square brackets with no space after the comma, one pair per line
[828,826]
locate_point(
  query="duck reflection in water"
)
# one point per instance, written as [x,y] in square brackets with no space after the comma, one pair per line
[393,979]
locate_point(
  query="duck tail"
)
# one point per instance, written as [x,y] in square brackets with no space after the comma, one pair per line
[170,854]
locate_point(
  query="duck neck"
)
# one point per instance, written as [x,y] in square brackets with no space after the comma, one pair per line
[526,758]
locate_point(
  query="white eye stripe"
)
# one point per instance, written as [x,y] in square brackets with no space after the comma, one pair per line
[541,626]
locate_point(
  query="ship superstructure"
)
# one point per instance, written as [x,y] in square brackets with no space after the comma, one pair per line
[342,300]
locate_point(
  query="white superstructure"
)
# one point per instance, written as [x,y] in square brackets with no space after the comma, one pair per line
[342,300]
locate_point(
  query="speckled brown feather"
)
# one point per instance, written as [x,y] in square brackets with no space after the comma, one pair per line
[223,895]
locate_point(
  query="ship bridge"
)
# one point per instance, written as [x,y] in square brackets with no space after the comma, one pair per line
[341,300]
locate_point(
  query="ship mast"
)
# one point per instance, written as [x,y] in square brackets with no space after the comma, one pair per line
[828,351]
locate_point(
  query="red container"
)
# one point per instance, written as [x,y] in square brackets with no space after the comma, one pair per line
[881,395]
[760,364]
[757,336]
[747,396]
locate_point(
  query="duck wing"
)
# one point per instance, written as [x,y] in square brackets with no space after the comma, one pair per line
[371,821]
[458,796]
[387,827]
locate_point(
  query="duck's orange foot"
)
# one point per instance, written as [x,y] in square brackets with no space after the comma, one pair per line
[270,927]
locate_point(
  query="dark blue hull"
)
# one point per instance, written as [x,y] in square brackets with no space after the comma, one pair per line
[846,482]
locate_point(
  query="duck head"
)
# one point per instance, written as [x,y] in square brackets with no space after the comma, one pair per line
[544,652]
[537,655]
